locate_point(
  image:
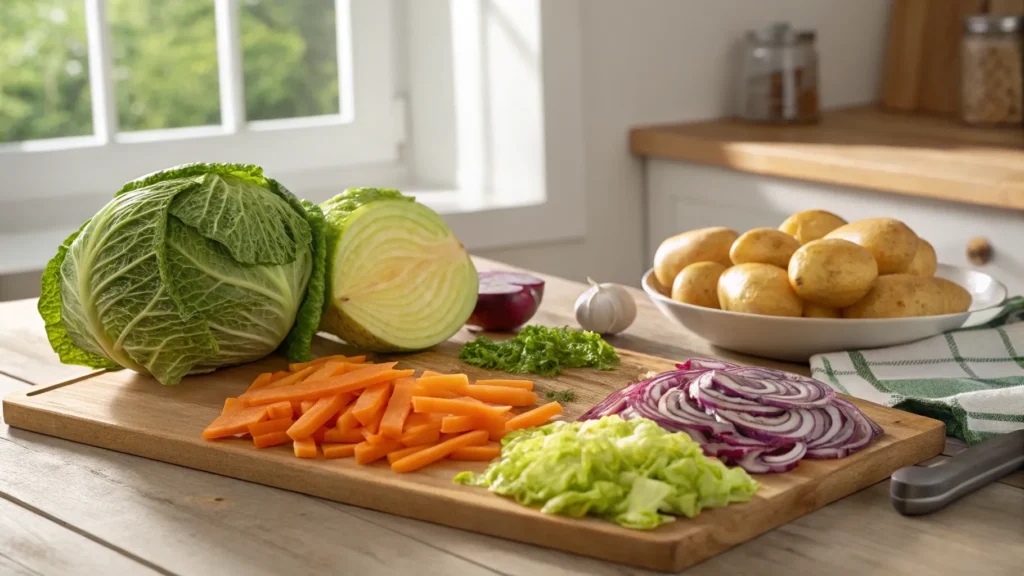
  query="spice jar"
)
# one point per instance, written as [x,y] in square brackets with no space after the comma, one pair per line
[779,83]
[991,87]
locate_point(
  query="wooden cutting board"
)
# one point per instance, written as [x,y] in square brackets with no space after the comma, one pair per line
[130,413]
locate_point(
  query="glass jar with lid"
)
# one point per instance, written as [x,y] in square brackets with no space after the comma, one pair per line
[779,82]
[991,87]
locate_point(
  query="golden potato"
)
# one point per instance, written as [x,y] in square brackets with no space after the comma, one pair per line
[697,284]
[832,272]
[900,296]
[681,250]
[757,288]
[957,299]
[891,242]
[811,225]
[764,245]
[924,263]
[812,310]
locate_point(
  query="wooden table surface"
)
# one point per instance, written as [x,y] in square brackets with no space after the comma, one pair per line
[67,508]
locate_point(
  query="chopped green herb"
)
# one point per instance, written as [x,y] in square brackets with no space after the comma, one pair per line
[541,350]
[566,396]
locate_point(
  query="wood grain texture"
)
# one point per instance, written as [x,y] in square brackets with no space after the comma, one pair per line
[862,147]
[1006,7]
[904,53]
[939,68]
[131,413]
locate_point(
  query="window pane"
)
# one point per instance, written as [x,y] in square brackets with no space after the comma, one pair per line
[289,58]
[44,70]
[165,63]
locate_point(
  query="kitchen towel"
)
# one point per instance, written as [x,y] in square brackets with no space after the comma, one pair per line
[972,378]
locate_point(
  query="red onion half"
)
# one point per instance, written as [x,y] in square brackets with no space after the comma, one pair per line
[762,420]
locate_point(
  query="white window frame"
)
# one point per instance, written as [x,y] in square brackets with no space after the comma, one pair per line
[308,148]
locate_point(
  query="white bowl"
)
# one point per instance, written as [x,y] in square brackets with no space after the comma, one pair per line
[797,339]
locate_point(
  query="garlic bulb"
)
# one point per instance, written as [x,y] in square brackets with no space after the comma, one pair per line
[605,308]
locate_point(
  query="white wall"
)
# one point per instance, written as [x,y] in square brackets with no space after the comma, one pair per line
[658,61]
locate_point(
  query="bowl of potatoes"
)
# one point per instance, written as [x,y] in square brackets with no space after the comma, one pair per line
[815,284]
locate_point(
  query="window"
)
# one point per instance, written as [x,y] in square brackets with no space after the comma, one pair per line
[108,90]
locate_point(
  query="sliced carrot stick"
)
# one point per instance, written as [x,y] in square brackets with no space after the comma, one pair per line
[317,416]
[456,407]
[339,450]
[261,381]
[535,417]
[320,434]
[287,381]
[366,452]
[234,420]
[501,395]
[399,407]
[271,439]
[230,405]
[268,426]
[305,448]
[451,382]
[353,436]
[325,371]
[374,438]
[522,384]
[418,390]
[429,373]
[370,401]
[477,453]
[403,452]
[347,421]
[279,410]
[336,357]
[423,434]
[454,424]
[434,453]
[349,382]
[305,405]
[296,408]
[417,418]
[280,374]
[375,420]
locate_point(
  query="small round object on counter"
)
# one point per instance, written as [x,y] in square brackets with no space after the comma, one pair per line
[681,250]
[605,308]
[891,242]
[832,272]
[925,262]
[697,284]
[957,299]
[756,288]
[901,296]
[812,310]
[763,245]
[811,225]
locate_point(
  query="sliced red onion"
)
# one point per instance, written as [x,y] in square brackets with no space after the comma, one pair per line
[705,394]
[705,364]
[834,423]
[725,451]
[789,427]
[781,460]
[774,388]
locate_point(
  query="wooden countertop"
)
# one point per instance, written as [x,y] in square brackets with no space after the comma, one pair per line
[863,147]
[71,508]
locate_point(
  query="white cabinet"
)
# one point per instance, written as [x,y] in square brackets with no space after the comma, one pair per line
[683,196]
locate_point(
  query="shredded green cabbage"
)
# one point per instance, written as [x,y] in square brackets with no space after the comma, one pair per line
[541,350]
[631,472]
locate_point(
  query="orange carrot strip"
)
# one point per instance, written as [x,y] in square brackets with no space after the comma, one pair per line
[366,452]
[452,382]
[423,434]
[418,390]
[230,405]
[268,426]
[534,417]
[402,453]
[279,410]
[453,424]
[375,420]
[501,395]
[261,381]
[429,373]
[373,438]
[456,407]
[296,408]
[305,448]
[372,398]
[522,384]
[287,381]
[336,358]
[434,453]
[417,418]
[234,420]
[476,453]
[305,405]
[399,407]
[271,439]
[280,374]
[320,434]
[347,421]
[317,416]
[348,382]
[325,371]
[353,436]
[338,450]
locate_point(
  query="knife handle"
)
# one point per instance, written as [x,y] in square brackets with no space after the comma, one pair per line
[919,490]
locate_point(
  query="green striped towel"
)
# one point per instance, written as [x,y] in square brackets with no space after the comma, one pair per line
[972,378]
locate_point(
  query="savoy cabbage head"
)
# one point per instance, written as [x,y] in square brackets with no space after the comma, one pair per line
[187,270]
